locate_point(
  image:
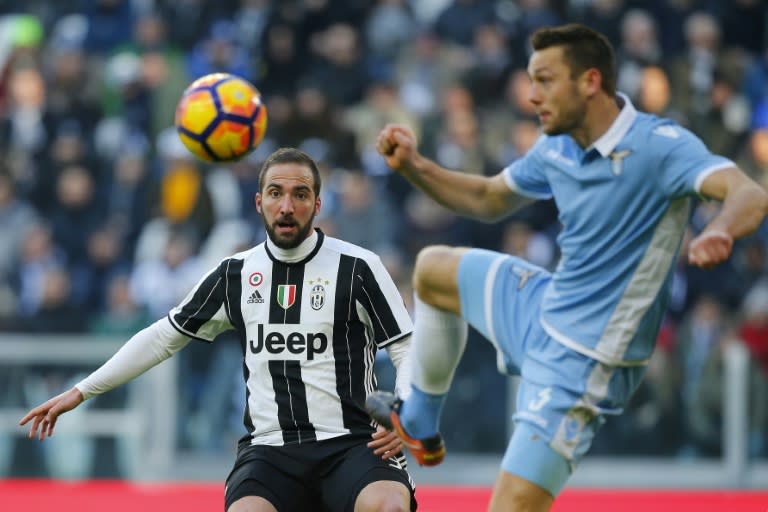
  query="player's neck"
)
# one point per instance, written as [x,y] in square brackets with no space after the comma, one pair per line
[601,113]
[297,253]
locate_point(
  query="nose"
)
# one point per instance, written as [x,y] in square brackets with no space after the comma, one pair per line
[533,94]
[286,204]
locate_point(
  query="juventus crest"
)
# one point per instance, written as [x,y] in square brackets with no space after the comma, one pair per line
[317,293]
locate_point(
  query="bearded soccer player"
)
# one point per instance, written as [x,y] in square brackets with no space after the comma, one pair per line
[311,312]
[580,337]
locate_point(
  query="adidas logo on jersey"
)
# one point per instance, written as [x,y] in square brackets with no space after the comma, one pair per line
[255,298]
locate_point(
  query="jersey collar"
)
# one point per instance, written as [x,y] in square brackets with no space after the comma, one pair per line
[305,249]
[610,139]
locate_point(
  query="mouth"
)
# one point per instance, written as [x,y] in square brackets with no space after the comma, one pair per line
[285,227]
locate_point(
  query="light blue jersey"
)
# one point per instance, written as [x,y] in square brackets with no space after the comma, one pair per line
[610,290]
[580,337]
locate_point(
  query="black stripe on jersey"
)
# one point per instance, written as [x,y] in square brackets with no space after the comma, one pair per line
[234,291]
[392,341]
[374,301]
[348,331]
[205,302]
[292,410]
[285,274]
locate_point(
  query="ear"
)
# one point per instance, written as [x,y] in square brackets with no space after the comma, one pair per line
[592,82]
[257,201]
[317,205]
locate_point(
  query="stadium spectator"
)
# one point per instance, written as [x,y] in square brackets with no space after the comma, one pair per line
[698,351]
[220,53]
[640,47]
[743,23]
[601,15]
[389,29]
[459,20]
[122,315]
[339,66]
[109,24]
[276,69]
[368,219]
[16,218]
[492,61]
[753,328]
[39,256]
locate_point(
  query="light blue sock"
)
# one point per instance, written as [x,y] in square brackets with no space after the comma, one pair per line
[420,413]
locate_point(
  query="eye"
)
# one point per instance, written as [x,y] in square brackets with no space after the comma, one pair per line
[302,195]
[273,193]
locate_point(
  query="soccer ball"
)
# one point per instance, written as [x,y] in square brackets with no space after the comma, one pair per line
[221,118]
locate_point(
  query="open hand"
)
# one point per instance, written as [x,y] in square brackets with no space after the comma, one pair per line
[385,443]
[45,415]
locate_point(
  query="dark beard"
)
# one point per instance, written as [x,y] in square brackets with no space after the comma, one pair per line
[567,125]
[572,121]
[292,243]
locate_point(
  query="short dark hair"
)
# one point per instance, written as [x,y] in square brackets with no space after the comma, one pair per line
[291,156]
[583,48]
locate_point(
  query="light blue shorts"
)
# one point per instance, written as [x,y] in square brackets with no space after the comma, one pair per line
[563,394]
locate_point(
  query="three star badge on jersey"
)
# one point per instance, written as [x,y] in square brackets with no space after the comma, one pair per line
[317,297]
[317,294]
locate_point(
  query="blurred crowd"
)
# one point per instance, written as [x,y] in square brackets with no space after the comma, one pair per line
[106,221]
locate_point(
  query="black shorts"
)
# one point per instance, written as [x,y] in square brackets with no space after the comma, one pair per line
[298,477]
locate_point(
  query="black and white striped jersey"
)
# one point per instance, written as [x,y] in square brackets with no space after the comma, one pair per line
[308,330]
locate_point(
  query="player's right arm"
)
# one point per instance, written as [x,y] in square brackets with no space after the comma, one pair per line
[480,197]
[744,207]
[145,349]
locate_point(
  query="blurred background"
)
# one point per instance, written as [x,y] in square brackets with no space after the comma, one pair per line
[106,221]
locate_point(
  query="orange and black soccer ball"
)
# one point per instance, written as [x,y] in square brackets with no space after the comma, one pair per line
[221,118]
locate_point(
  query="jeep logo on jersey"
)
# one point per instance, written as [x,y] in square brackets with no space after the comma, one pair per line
[286,295]
[295,343]
[317,297]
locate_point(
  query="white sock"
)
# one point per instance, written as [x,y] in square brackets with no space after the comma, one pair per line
[439,339]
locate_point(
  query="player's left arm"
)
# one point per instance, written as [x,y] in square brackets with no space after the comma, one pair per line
[744,206]
[391,326]
[385,443]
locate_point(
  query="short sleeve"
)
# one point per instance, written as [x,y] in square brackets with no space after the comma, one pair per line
[203,314]
[686,161]
[386,314]
[527,175]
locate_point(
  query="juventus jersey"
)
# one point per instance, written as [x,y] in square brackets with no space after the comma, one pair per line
[309,332]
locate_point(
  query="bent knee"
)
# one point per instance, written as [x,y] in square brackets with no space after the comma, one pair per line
[384,504]
[435,274]
[384,496]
